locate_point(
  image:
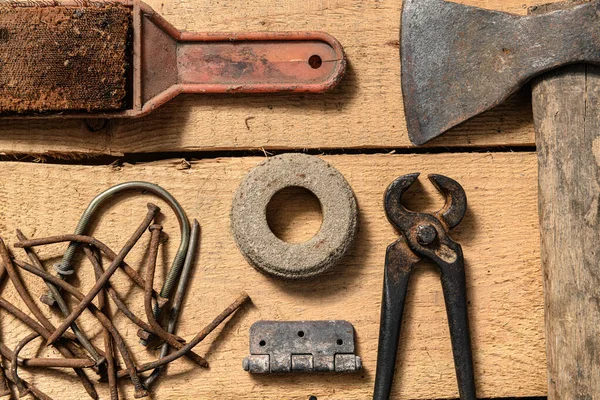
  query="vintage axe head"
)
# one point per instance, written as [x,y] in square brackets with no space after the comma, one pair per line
[459,61]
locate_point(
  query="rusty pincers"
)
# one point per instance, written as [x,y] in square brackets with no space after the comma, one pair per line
[424,236]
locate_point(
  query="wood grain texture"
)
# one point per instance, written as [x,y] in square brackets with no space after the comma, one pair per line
[568,126]
[365,111]
[499,237]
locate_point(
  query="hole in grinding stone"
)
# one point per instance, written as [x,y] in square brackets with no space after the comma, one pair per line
[294,215]
[262,343]
[301,333]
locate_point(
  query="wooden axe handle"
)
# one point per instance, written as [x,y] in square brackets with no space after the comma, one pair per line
[566,107]
[566,110]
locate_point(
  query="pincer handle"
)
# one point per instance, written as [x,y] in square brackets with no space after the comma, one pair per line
[455,296]
[399,263]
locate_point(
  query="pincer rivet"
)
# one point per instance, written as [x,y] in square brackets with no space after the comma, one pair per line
[426,234]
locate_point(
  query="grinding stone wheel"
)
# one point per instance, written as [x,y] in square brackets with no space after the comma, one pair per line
[271,255]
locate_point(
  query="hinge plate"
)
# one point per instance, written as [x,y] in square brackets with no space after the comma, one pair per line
[302,346]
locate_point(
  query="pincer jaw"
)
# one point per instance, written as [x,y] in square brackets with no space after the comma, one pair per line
[451,214]
[395,211]
[455,207]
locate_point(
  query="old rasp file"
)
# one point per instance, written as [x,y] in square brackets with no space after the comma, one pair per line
[459,61]
[120,59]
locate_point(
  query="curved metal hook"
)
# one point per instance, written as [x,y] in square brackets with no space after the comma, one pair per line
[64,268]
[455,208]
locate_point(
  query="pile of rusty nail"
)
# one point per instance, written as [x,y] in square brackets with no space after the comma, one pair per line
[79,354]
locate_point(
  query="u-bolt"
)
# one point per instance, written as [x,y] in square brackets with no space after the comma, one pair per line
[64,268]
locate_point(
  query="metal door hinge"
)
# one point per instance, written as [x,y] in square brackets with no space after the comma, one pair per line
[302,346]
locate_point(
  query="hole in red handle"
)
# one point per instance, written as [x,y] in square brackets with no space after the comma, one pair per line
[315,62]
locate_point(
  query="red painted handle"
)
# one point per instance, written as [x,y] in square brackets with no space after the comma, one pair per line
[174,62]
[260,62]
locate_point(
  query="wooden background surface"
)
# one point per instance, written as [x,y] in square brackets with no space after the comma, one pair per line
[365,111]
[499,235]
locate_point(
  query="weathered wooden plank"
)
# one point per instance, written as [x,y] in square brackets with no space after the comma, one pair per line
[364,111]
[564,103]
[499,237]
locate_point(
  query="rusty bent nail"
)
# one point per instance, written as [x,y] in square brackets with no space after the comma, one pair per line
[140,391]
[196,340]
[98,270]
[69,336]
[15,363]
[150,269]
[113,294]
[33,307]
[4,389]
[32,389]
[47,362]
[21,290]
[186,274]
[103,305]
[64,268]
[81,239]
[31,323]
[155,231]
[144,327]
[152,211]
[64,308]
[24,318]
